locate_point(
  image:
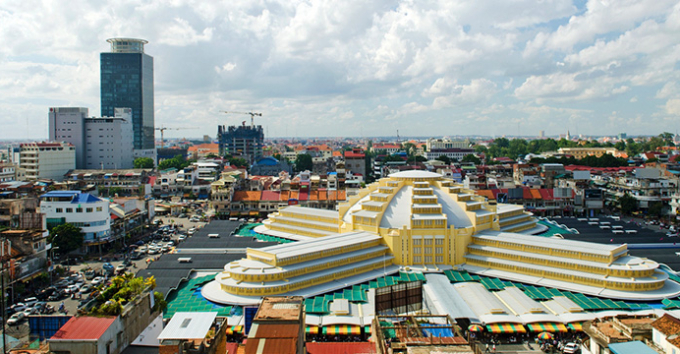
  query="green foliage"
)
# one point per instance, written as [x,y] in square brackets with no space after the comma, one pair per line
[67,237]
[471,158]
[238,162]
[445,159]
[122,290]
[211,156]
[178,162]
[143,162]
[653,159]
[606,160]
[416,158]
[627,203]
[303,162]
[159,302]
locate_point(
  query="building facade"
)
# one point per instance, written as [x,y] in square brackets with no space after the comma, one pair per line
[47,160]
[127,81]
[82,210]
[67,124]
[241,141]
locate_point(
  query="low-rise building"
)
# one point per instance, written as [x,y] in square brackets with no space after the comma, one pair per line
[278,326]
[620,329]
[666,334]
[112,182]
[47,160]
[83,210]
[583,152]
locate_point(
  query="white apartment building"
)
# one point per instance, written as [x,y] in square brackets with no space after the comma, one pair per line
[101,143]
[47,160]
[82,210]
[446,143]
[8,172]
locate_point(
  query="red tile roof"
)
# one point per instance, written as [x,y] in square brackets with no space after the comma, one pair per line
[341,348]
[83,328]
[354,155]
[271,196]
[667,324]
[271,345]
[249,196]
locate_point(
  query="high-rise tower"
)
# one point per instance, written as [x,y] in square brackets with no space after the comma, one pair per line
[127,81]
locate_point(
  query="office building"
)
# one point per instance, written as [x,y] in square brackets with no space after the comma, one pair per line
[241,141]
[82,210]
[47,160]
[105,142]
[127,81]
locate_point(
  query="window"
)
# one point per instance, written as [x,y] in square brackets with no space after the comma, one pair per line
[416,259]
[69,210]
[79,210]
[89,210]
[416,250]
[428,259]
[428,250]
[416,242]
[59,210]
[428,242]
[439,241]
[439,250]
[99,208]
[439,259]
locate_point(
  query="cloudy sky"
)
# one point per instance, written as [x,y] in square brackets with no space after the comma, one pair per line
[357,68]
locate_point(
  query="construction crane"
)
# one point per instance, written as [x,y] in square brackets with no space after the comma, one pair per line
[163,129]
[252,116]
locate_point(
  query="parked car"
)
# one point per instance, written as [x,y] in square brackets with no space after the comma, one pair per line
[96,281]
[16,318]
[31,311]
[120,268]
[139,243]
[86,289]
[30,301]
[135,255]
[18,307]
[57,295]
[89,274]
[45,293]
[571,348]
[72,289]
[672,234]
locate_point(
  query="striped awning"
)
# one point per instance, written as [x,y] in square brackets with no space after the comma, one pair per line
[506,328]
[235,330]
[576,326]
[341,329]
[312,330]
[547,327]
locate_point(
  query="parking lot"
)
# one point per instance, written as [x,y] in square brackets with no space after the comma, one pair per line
[643,240]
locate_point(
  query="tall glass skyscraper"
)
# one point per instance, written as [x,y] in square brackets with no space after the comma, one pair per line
[127,82]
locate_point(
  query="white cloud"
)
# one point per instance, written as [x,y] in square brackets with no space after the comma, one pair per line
[322,67]
[673,106]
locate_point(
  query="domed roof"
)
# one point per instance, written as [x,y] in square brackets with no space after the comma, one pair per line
[267,161]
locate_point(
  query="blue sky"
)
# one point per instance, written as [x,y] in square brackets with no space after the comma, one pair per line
[357,68]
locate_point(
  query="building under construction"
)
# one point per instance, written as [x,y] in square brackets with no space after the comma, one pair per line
[241,141]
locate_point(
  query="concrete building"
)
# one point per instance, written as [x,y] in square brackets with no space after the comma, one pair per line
[88,335]
[47,160]
[419,220]
[83,210]
[446,143]
[278,326]
[241,141]
[105,142]
[582,152]
[270,166]
[8,172]
[127,81]
[355,161]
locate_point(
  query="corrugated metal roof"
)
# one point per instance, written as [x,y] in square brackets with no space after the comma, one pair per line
[260,330]
[271,346]
[83,328]
[341,348]
[188,325]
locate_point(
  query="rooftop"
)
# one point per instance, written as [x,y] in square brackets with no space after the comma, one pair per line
[285,308]
[188,325]
[83,328]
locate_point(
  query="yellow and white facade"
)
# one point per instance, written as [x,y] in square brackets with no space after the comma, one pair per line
[417,219]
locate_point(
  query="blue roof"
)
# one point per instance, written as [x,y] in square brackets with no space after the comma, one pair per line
[267,161]
[85,198]
[60,194]
[634,347]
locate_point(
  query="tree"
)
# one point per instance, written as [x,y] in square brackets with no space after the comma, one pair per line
[627,203]
[211,156]
[144,162]
[472,158]
[67,237]
[445,159]
[303,162]
[178,162]
[238,161]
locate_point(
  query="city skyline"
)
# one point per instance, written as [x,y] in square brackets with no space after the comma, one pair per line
[326,69]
